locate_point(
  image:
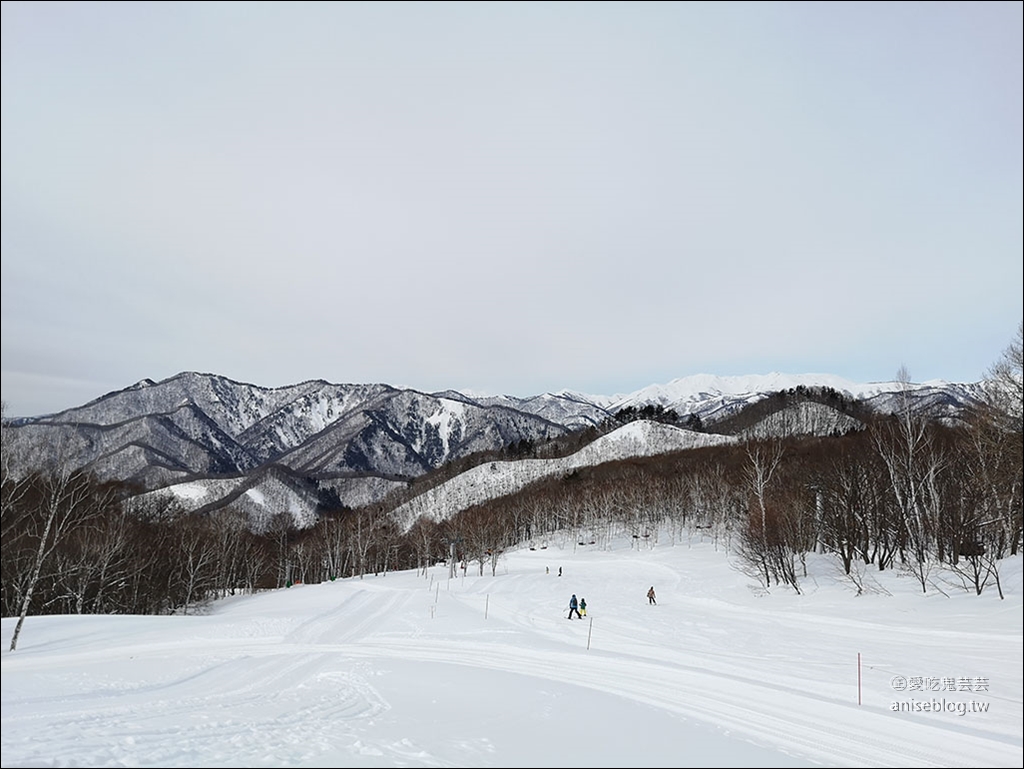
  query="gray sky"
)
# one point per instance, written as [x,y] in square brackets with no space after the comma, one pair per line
[507,197]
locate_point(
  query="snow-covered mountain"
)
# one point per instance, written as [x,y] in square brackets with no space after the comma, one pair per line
[196,425]
[352,444]
[714,397]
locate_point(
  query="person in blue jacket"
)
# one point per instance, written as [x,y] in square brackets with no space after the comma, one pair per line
[574,607]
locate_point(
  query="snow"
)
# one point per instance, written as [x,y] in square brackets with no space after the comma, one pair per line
[697,388]
[411,669]
[190,491]
[450,414]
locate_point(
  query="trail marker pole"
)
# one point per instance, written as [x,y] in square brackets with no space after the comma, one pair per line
[858,680]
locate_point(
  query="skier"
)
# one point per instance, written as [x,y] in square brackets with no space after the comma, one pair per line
[574,607]
[583,607]
[650,596]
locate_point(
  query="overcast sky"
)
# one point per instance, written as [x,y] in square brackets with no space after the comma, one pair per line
[508,198]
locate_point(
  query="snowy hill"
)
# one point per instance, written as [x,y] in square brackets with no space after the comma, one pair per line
[495,479]
[804,418]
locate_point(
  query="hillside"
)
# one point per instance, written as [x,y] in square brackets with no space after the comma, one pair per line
[496,479]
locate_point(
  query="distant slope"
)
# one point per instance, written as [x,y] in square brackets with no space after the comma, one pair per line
[495,479]
[803,418]
[259,497]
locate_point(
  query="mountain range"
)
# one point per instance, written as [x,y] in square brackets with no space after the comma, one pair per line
[205,441]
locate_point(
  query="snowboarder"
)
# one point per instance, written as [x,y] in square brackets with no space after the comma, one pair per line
[574,607]
[583,607]
[650,596]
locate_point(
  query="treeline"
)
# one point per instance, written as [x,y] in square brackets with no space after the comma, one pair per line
[655,412]
[72,545]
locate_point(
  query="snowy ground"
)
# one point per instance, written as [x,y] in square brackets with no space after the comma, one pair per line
[410,670]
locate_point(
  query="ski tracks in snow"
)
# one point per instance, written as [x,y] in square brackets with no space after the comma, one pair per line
[248,682]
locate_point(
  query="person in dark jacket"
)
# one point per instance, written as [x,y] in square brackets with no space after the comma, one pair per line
[583,607]
[574,607]
[650,596]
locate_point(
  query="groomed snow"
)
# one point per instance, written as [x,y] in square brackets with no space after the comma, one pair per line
[414,670]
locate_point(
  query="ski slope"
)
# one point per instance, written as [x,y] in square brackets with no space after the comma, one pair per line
[418,670]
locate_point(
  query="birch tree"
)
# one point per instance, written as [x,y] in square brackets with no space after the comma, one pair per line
[912,462]
[63,504]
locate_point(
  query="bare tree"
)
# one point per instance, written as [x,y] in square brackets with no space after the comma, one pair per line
[993,475]
[367,533]
[764,460]
[1004,384]
[95,555]
[234,542]
[715,501]
[198,558]
[905,445]
[334,548]
[13,489]
[64,504]
[1001,434]
[762,535]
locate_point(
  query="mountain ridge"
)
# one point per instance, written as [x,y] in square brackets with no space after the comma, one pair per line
[360,442]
